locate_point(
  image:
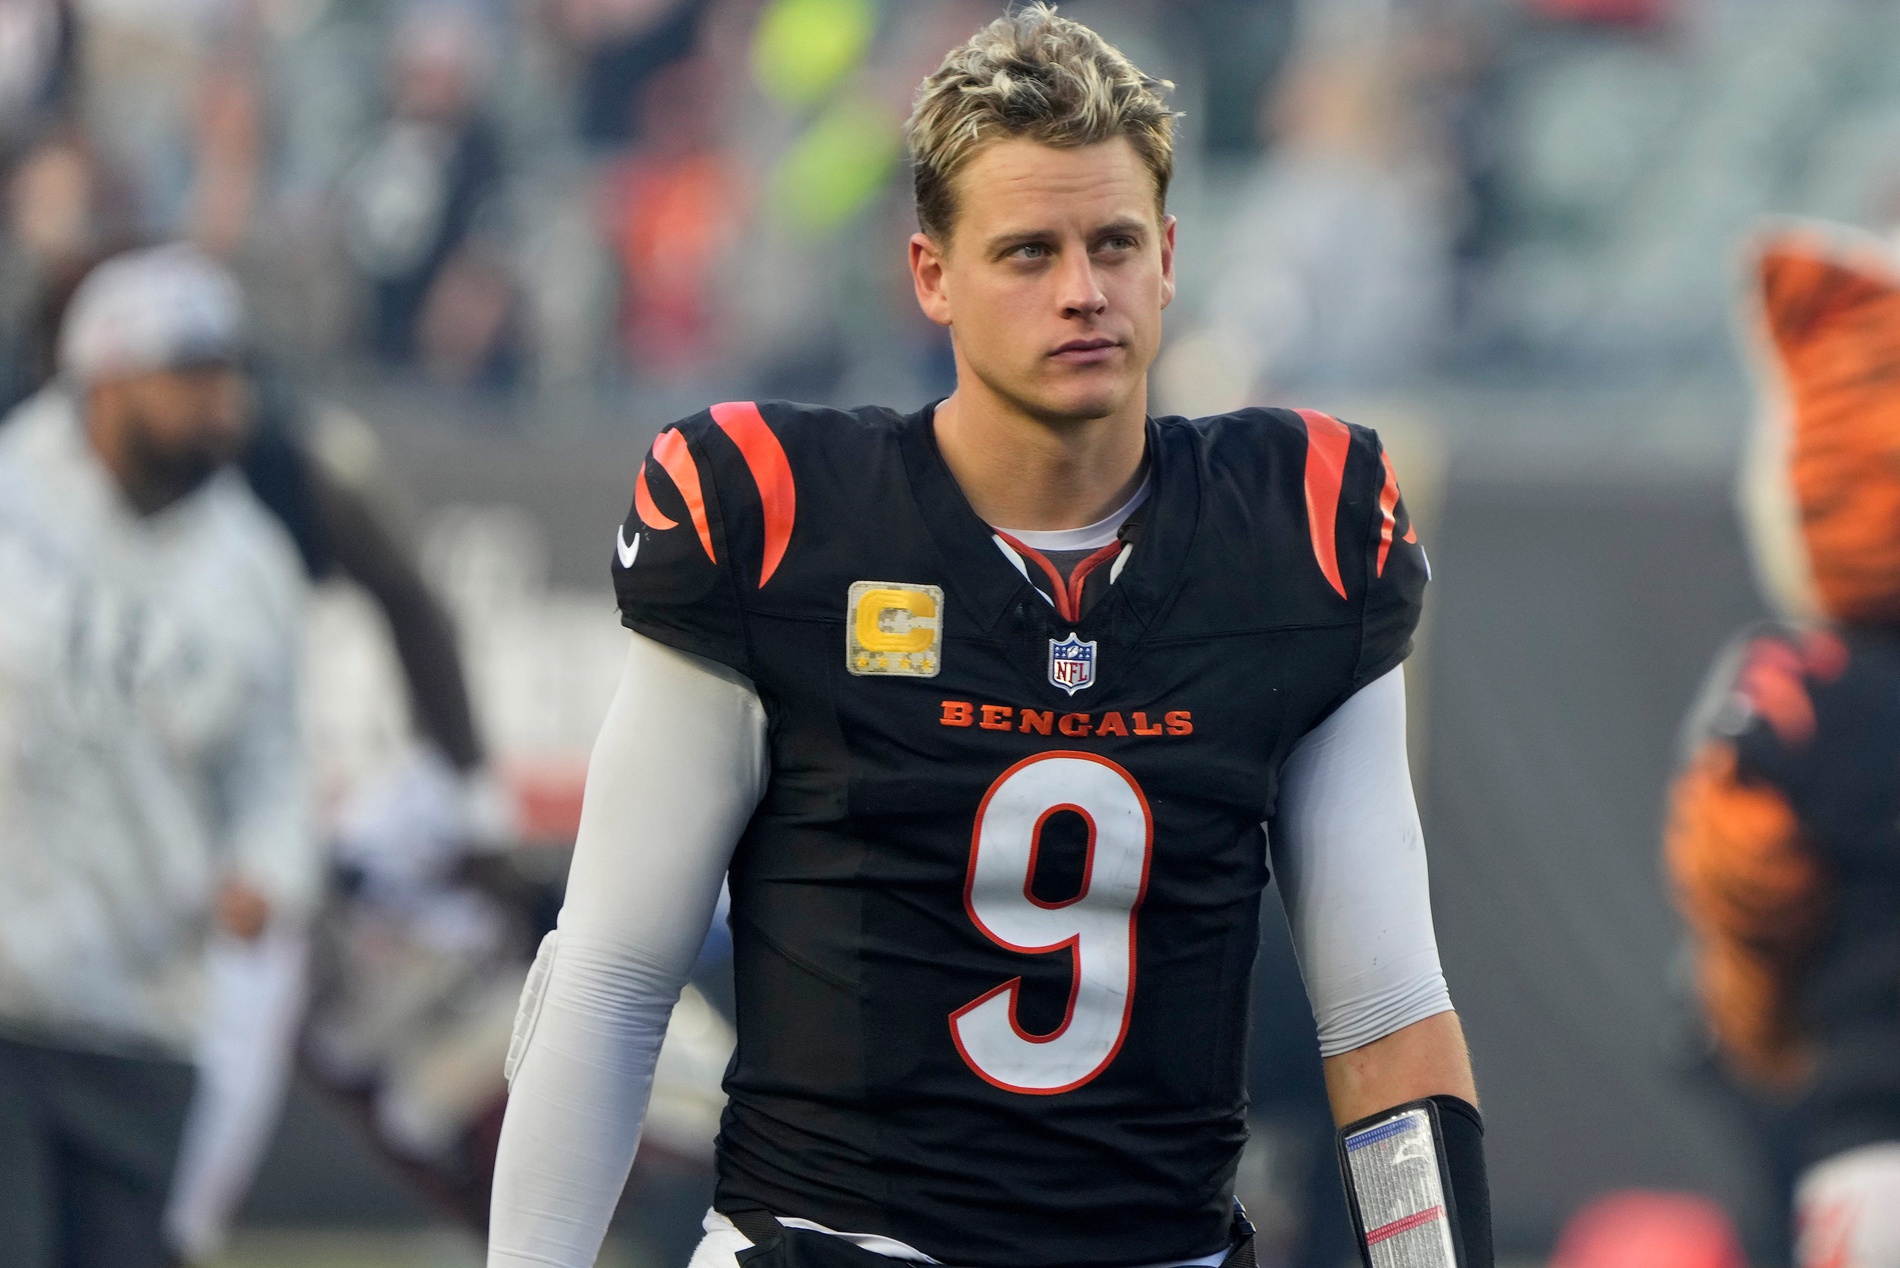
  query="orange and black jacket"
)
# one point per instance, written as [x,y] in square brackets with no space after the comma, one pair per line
[1783,844]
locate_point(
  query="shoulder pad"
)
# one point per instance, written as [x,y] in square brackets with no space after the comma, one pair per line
[728,447]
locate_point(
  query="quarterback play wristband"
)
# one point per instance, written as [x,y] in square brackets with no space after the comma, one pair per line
[1408,1171]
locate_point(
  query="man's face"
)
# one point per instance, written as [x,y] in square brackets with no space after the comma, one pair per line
[1054,277]
[176,427]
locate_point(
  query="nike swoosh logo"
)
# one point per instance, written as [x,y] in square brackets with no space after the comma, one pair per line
[628,553]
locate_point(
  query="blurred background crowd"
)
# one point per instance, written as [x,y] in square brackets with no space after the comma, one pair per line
[567,213]
[497,244]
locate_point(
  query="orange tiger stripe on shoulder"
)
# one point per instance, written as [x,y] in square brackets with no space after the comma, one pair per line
[771,472]
[1327,443]
[1388,518]
[643,505]
[671,452]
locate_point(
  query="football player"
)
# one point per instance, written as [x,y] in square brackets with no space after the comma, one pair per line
[1781,837]
[983,707]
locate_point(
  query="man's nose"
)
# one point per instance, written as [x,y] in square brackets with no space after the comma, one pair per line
[1081,291]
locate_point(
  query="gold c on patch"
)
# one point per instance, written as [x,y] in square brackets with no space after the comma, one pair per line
[893,627]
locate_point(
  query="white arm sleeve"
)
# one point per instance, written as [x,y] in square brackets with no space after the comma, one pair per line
[678,768]
[1351,863]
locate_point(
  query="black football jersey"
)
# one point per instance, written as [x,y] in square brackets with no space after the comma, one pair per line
[1815,714]
[995,917]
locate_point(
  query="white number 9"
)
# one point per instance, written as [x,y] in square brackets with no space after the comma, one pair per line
[1097,926]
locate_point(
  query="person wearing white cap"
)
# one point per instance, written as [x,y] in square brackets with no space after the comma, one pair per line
[151,770]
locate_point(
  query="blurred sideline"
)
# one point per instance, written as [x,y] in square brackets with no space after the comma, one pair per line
[421,1250]
[373,1250]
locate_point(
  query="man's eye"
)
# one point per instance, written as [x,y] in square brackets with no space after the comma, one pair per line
[1030,251]
[1119,242]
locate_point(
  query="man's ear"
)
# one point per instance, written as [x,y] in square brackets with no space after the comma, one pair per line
[927,276]
[1167,260]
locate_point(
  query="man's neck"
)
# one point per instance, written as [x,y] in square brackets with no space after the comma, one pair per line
[1019,471]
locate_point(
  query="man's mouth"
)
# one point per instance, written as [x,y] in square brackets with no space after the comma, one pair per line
[1085,351]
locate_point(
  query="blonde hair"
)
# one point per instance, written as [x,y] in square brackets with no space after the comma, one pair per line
[1031,74]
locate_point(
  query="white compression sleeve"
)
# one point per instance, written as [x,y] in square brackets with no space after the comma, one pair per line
[678,768]
[1351,864]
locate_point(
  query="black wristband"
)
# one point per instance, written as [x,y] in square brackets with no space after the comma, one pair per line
[1462,1129]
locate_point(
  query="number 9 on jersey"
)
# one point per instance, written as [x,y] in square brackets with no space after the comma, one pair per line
[1096,928]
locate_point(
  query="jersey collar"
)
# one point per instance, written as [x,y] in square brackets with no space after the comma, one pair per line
[984,580]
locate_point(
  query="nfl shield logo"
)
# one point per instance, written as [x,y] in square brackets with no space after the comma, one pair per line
[1072,663]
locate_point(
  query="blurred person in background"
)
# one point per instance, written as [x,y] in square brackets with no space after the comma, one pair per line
[423,914]
[409,847]
[37,78]
[321,471]
[1782,837]
[57,201]
[620,46]
[63,212]
[423,205]
[672,209]
[400,1002]
[152,781]
[36,66]
[1337,259]
[120,123]
[173,97]
[427,834]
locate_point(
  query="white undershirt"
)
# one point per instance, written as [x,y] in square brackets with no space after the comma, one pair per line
[680,764]
[1057,541]
[1092,537]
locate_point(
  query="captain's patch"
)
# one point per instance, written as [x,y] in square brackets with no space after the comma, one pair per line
[894,628]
